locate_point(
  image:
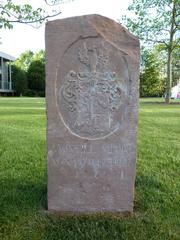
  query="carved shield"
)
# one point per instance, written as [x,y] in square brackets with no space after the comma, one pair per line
[92,98]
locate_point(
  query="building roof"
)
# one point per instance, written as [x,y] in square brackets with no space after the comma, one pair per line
[7,56]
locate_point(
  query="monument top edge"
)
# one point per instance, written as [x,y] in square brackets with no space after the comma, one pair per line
[96,19]
[86,16]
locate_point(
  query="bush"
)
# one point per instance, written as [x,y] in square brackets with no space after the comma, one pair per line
[36,76]
[151,82]
[29,74]
[30,93]
[19,83]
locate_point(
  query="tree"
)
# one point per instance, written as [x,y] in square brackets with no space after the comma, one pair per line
[24,60]
[151,82]
[29,73]
[19,80]
[176,66]
[36,77]
[39,56]
[11,12]
[160,50]
[157,22]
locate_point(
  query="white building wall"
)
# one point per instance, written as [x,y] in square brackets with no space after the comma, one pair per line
[175,91]
[5,72]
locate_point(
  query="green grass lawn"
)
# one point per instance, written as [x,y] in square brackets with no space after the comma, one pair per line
[23,181]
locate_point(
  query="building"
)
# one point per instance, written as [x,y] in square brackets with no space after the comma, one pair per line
[5,73]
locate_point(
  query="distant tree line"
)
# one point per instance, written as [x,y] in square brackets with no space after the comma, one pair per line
[152,83]
[28,74]
[153,77]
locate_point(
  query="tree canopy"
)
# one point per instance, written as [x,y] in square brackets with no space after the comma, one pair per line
[10,13]
[157,22]
[24,60]
[29,74]
[19,80]
[151,80]
[154,21]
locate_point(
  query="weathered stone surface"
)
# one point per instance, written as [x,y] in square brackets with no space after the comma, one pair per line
[92,103]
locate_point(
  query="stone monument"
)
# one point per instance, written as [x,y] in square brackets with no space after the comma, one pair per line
[92,73]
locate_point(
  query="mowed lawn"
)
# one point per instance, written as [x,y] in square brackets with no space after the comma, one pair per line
[23,181]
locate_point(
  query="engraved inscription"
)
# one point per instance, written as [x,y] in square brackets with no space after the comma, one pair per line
[110,148]
[92,95]
[95,164]
[81,156]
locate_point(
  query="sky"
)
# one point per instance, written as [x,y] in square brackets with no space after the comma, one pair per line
[23,37]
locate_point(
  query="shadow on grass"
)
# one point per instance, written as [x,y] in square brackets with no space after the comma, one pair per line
[26,201]
[150,192]
[101,226]
[149,182]
[18,198]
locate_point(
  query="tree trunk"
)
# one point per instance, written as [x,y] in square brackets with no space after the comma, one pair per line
[170,50]
[169,77]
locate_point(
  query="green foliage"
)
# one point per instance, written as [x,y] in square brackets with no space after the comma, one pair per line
[157,22]
[40,56]
[19,80]
[151,82]
[36,76]
[23,181]
[24,60]
[11,12]
[151,20]
[31,66]
[161,52]
[176,66]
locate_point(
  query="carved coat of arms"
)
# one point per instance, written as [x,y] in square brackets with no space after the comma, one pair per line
[91,96]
